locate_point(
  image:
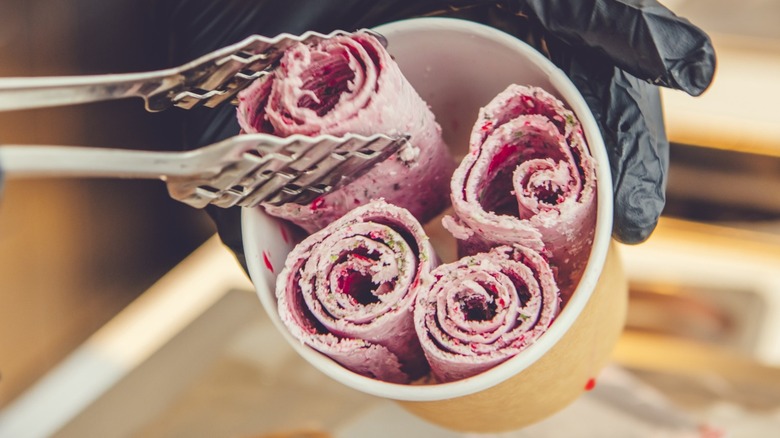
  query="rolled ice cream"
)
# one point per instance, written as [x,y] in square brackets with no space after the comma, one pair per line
[351,84]
[528,179]
[348,291]
[476,313]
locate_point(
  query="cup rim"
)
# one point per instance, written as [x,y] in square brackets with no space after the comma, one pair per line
[564,320]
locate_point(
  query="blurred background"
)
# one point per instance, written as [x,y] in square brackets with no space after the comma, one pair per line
[74,253]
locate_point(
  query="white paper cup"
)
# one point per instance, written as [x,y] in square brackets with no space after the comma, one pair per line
[457,67]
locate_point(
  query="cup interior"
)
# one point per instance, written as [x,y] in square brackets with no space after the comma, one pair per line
[457,67]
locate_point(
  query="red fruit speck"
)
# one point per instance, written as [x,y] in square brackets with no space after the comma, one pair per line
[707,431]
[487,126]
[317,203]
[591,384]
[500,157]
[284,234]
[360,257]
[267,262]
[529,102]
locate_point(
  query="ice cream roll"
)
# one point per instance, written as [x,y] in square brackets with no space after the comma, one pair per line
[351,84]
[528,179]
[348,291]
[476,313]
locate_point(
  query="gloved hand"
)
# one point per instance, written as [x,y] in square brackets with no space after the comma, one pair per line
[615,51]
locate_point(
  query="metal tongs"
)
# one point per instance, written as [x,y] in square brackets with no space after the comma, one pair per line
[243,170]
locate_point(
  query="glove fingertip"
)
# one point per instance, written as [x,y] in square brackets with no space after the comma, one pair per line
[631,233]
[637,213]
[695,76]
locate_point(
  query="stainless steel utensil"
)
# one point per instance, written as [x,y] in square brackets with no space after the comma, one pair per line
[244,170]
[209,80]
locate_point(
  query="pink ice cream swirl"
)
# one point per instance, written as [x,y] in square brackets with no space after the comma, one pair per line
[351,84]
[347,291]
[476,313]
[528,179]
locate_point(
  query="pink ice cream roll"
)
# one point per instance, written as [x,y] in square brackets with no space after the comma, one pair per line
[352,85]
[476,313]
[347,291]
[528,179]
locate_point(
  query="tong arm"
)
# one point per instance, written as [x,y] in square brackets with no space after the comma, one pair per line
[209,80]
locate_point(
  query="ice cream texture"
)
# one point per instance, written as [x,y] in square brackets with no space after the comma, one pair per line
[351,84]
[481,310]
[528,179]
[348,291]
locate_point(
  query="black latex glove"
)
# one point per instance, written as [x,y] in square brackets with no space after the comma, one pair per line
[615,52]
